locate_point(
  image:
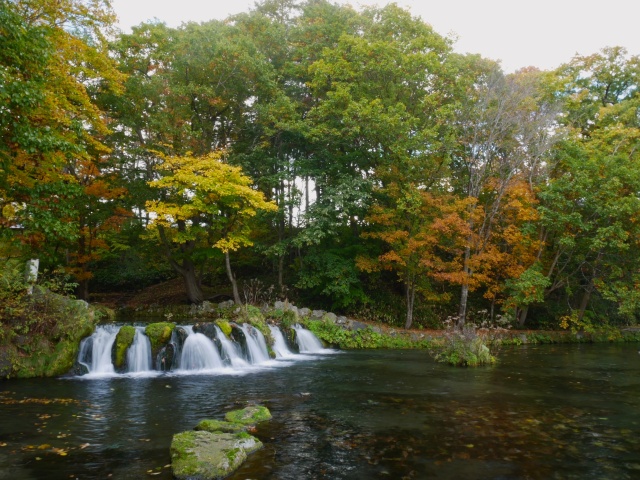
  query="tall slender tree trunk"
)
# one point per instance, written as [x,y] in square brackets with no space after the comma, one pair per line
[464,294]
[281,272]
[232,278]
[410,298]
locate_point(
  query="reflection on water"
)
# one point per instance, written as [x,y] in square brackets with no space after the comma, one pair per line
[544,412]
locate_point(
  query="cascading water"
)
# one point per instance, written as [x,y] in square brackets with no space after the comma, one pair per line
[95,351]
[139,353]
[256,344]
[199,352]
[307,341]
[280,346]
[230,350]
[192,351]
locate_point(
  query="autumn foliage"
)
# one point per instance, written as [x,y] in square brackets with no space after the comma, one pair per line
[349,157]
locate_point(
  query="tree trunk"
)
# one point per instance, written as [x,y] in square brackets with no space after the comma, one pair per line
[523,316]
[584,303]
[187,270]
[411,296]
[281,272]
[585,300]
[232,279]
[191,283]
[464,294]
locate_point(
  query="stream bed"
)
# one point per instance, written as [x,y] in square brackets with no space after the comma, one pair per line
[544,412]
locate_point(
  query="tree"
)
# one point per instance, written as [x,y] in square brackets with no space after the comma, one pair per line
[419,230]
[206,204]
[589,206]
[504,135]
[54,62]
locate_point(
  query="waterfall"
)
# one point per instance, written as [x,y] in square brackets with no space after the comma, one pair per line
[280,346]
[188,351]
[95,351]
[139,353]
[199,353]
[307,341]
[256,345]
[230,350]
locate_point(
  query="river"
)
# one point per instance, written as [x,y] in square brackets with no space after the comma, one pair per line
[544,412]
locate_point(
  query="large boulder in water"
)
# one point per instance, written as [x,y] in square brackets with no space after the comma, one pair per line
[159,335]
[207,329]
[166,358]
[201,455]
[123,341]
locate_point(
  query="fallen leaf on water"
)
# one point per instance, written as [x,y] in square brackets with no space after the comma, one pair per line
[84,445]
[2,444]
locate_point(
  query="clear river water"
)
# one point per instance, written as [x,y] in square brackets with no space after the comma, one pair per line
[544,412]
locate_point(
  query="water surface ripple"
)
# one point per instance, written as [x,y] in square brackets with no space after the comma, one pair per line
[543,412]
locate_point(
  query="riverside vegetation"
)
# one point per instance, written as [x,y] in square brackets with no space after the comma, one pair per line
[41,331]
[348,156]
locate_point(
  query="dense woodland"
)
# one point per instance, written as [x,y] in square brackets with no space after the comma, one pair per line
[350,158]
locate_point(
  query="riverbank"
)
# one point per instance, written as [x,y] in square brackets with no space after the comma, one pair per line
[41,334]
[44,341]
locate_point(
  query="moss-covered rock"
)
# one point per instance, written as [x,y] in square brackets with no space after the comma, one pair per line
[254,317]
[249,416]
[47,344]
[209,425]
[225,326]
[123,341]
[202,455]
[159,335]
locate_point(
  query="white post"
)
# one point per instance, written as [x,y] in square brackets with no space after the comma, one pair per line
[31,273]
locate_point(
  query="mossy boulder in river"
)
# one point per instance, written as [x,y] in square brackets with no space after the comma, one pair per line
[249,416]
[201,455]
[220,426]
[159,335]
[123,341]
[225,326]
[216,448]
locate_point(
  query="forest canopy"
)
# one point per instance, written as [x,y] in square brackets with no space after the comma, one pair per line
[348,157]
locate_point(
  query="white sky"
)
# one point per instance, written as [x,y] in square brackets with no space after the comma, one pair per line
[520,33]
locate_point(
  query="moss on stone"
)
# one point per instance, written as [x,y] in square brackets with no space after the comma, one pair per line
[51,346]
[206,455]
[159,335]
[225,326]
[213,426]
[249,415]
[256,319]
[123,341]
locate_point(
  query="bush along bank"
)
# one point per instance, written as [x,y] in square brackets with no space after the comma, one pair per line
[41,336]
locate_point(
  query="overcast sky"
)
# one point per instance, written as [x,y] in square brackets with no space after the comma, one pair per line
[520,33]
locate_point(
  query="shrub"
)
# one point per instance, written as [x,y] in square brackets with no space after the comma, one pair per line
[465,346]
